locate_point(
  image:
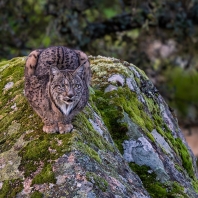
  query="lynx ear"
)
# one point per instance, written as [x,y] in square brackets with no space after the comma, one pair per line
[54,71]
[79,71]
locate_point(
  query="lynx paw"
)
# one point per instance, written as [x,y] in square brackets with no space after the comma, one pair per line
[50,129]
[65,128]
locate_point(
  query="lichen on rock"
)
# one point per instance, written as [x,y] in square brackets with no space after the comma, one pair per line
[125,143]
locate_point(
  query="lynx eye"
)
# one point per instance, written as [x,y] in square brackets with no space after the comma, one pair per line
[59,87]
[78,86]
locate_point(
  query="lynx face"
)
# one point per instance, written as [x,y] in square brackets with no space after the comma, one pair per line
[66,89]
[56,85]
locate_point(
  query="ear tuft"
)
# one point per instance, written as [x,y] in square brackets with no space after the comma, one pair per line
[80,70]
[54,71]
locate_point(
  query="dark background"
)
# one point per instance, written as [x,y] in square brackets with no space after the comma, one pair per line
[159,36]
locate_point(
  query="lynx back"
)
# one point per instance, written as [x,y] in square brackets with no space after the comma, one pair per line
[56,86]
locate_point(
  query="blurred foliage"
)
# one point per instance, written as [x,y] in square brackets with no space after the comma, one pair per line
[182,88]
[160,37]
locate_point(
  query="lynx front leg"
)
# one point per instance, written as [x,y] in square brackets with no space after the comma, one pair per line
[65,128]
[50,126]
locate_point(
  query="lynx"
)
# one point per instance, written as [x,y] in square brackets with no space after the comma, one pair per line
[56,86]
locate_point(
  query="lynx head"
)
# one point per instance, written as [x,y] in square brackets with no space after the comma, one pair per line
[66,88]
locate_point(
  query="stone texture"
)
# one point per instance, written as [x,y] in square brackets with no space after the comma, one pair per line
[120,133]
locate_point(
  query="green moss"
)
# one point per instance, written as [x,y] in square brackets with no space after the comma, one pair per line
[168,137]
[129,102]
[93,105]
[15,185]
[89,151]
[102,68]
[180,149]
[113,104]
[5,189]
[154,111]
[45,176]
[14,73]
[155,188]
[195,185]
[36,194]
[137,81]
[177,191]
[111,115]
[89,135]
[186,159]
[140,71]
[45,148]
[178,167]
[99,181]
[150,136]
[23,114]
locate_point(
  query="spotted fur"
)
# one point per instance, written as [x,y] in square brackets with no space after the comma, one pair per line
[56,85]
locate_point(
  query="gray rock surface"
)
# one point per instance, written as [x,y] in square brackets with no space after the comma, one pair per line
[125,143]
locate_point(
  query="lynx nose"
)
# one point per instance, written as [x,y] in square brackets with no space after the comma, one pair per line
[70,95]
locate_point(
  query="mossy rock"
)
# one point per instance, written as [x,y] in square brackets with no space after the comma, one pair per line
[125,139]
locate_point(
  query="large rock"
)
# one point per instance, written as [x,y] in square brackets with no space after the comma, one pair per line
[125,143]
